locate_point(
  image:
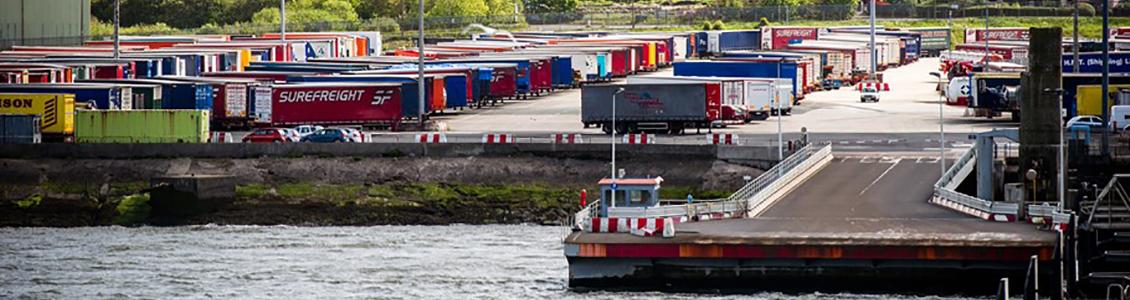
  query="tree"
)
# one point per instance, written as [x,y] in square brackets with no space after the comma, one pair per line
[503,7]
[309,11]
[551,6]
[458,8]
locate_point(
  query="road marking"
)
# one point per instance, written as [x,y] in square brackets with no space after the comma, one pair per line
[880,177]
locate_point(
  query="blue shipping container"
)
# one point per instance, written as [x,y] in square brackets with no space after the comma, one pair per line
[739,40]
[455,85]
[186,96]
[96,96]
[786,70]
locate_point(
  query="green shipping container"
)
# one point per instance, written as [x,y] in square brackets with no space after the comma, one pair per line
[141,126]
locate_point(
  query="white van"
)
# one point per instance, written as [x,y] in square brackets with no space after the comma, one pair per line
[1120,117]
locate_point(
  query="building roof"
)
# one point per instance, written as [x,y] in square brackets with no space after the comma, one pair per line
[632,181]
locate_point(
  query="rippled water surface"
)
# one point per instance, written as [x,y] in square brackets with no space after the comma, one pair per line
[384,262]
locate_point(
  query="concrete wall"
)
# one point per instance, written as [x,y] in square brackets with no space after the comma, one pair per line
[43,22]
[753,155]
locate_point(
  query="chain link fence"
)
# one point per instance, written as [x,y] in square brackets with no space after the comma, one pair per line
[402,30]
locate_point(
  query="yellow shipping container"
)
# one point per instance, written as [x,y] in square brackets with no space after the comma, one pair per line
[1088,99]
[56,111]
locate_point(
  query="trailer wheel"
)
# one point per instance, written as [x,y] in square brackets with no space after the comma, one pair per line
[621,128]
[606,127]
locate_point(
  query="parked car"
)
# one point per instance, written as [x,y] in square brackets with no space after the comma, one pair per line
[356,135]
[267,135]
[292,135]
[1088,121]
[328,135]
[304,130]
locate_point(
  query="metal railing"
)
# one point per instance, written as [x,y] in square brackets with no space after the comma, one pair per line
[581,218]
[943,191]
[757,191]
[1047,210]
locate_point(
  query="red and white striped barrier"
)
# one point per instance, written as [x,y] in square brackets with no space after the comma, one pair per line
[222,137]
[640,138]
[973,211]
[882,86]
[431,138]
[722,139]
[637,226]
[495,138]
[566,138]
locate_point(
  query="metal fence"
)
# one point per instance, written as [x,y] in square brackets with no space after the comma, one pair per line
[943,190]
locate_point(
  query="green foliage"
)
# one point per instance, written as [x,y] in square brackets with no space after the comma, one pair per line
[458,8]
[719,25]
[707,25]
[763,23]
[309,11]
[251,191]
[30,201]
[731,3]
[552,6]
[133,209]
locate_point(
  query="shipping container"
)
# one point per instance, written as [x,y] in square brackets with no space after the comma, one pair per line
[1089,100]
[1072,81]
[1012,53]
[973,35]
[669,107]
[756,96]
[756,69]
[409,89]
[934,40]
[142,126]
[1092,62]
[19,129]
[55,111]
[337,103]
[88,95]
[779,37]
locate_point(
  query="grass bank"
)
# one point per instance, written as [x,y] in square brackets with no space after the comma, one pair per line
[307,203]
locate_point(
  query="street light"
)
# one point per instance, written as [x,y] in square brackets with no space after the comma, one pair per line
[780,135]
[874,53]
[420,67]
[282,23]
[613,135]
[117,25]
[941,122]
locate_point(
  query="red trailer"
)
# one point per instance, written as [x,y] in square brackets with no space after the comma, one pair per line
[336,103]
[779,37]
[996,34]
[1008,52]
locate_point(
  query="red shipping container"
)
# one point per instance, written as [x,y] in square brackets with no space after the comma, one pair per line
[329,104]
[713,101]
[620,62]
[779,37]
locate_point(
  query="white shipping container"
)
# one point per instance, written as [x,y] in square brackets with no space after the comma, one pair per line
[262,104]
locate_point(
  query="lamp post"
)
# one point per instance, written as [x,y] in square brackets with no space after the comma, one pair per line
[780,134]
[1075,40]
[612,172]
[874,53]
[282,22]
[420,67]
[941,126]
[117,24]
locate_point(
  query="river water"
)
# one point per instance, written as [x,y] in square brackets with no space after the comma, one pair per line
[382,262]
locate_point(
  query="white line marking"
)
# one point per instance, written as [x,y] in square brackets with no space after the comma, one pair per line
[880,177]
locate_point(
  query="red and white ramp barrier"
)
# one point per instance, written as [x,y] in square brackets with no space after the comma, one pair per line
[495,138]
[997,217]
[722,139]
[640,138]
[637,226]
[431,138]
[566,138]
[222,137]
[881,86]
